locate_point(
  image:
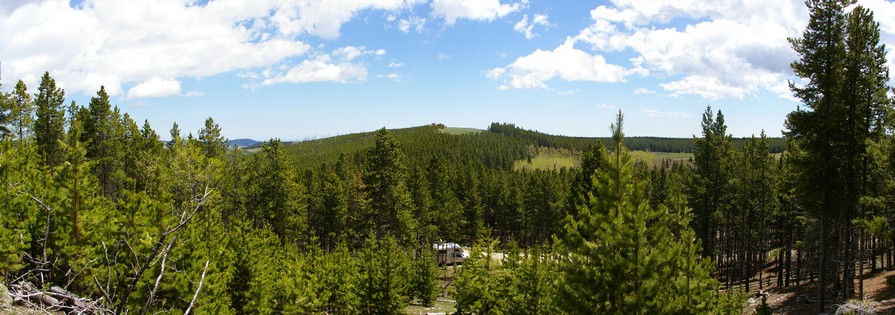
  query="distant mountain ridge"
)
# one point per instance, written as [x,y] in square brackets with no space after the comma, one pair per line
[243,143]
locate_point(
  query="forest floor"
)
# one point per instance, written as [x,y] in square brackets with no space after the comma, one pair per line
[802,299]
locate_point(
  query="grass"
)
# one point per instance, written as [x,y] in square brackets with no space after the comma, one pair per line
[551,158]
[547,159]
[459,131]
[655,158]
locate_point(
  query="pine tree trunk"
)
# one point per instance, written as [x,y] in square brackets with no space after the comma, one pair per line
[861,259]
[822,266]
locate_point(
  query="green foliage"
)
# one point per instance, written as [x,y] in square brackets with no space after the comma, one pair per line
[424,281]
[383,278]
[476,284]
[341,281]
[48,124]
[622,256]
[386,186]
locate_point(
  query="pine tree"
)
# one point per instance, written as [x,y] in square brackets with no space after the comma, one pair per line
[213,143]
[48,125]
[842,63]
[384,273]
[341,280]
[21,111]
[625,257]
[387,188]
[424,281]
[711,194]
[477,287]
[280,199]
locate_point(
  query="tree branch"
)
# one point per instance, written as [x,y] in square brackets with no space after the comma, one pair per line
[195,295]
[159,278]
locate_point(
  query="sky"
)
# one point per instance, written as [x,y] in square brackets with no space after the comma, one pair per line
[305,69]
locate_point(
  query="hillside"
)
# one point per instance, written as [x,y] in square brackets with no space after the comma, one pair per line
[500,146]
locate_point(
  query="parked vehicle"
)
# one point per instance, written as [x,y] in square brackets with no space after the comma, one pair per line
[450,253]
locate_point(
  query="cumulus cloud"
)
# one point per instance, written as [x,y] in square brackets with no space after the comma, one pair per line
[481,10]
[663,114]
[155,87]
[565,62]
[125,45]
[711,49]
[737,49]
[318,69]
[527,28]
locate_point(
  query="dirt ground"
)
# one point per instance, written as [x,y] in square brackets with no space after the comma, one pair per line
[802,299]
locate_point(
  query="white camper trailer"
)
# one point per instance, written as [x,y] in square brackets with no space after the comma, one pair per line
[450,253]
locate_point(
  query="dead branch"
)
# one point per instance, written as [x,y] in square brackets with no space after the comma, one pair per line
[56,299]
[195,295]
[159,278]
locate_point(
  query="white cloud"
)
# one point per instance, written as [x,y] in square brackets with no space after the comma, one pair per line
[565,62]
[481,10]
[495,73]
[395,64]
[321,68]
[712,49]
[738,50]
[607,106]
[155,87]
[662,114]
[194,93]
[323,18]
[524,27]
[443,57]
[391,76]
[412,23]
[123,44]
[643,91]
[349,53]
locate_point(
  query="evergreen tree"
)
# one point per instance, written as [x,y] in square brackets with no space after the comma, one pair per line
[384,273]
[424,282]
[341,280]
[477,285]
[711,194]
[387,188]
[48,125]
[279,202]
[21,111]
[213,143]
[625,257]
[842,63]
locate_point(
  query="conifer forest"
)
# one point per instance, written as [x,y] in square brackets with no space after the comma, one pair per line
[121,218]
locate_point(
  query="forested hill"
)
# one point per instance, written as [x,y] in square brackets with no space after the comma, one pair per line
[497,147]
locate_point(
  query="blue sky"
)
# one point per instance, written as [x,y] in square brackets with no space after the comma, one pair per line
[300,69]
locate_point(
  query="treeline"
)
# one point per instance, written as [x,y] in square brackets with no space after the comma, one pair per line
[652,144]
